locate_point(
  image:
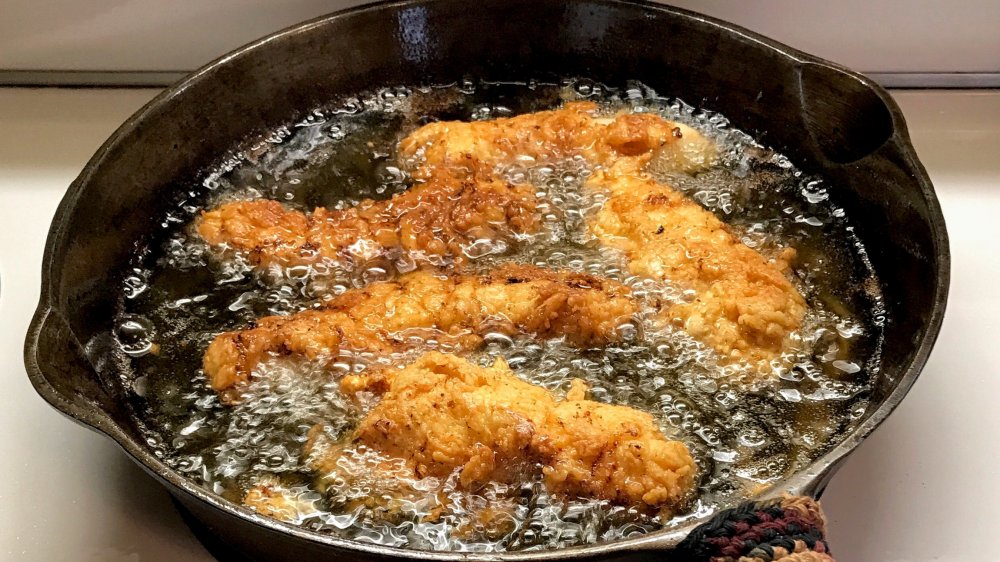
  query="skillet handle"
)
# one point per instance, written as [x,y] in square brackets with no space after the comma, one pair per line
[63,374]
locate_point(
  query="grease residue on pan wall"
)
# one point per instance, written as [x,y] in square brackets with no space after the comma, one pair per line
[745,437]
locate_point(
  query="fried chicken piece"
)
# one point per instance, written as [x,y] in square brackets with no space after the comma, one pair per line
[745,307]
[458,309]
[271,498]
[367,482]
[378,488]
[441,414]
[576,129]
[437,218]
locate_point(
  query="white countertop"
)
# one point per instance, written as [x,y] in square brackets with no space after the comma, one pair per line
[924,487]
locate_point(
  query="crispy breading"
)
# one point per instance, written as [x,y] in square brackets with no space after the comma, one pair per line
[272,498]
[576,129]
[745,307]
[366,480]
[436,218]
[442,414]
[459,309]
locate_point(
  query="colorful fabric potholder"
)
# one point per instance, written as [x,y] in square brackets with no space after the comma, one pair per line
[789,529]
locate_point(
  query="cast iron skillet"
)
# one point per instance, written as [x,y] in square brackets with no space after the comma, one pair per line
[828,120]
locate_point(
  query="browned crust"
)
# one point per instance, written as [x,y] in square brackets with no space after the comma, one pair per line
[512,299]
[443,414]
[438,217]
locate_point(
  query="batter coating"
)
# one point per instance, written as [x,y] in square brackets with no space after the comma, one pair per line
[434,221]
[576,129]
[441,414]
[457,309]
[272,498]
[745,307]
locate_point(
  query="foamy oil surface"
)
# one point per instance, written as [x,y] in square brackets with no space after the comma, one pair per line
[745,437]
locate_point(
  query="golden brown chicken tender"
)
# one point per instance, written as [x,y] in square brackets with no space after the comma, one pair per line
[745,307]
[576,129]
[459,309]
[442,414]
[437,218]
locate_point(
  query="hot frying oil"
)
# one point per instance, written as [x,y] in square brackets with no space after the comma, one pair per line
[745,436]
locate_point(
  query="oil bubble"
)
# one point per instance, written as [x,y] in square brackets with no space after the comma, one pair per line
[134,334]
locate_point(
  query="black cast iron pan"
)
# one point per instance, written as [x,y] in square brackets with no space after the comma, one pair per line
[830,121]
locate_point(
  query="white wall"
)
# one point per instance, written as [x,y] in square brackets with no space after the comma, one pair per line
[869,35]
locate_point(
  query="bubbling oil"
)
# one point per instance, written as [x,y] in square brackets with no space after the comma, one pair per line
[745,436]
